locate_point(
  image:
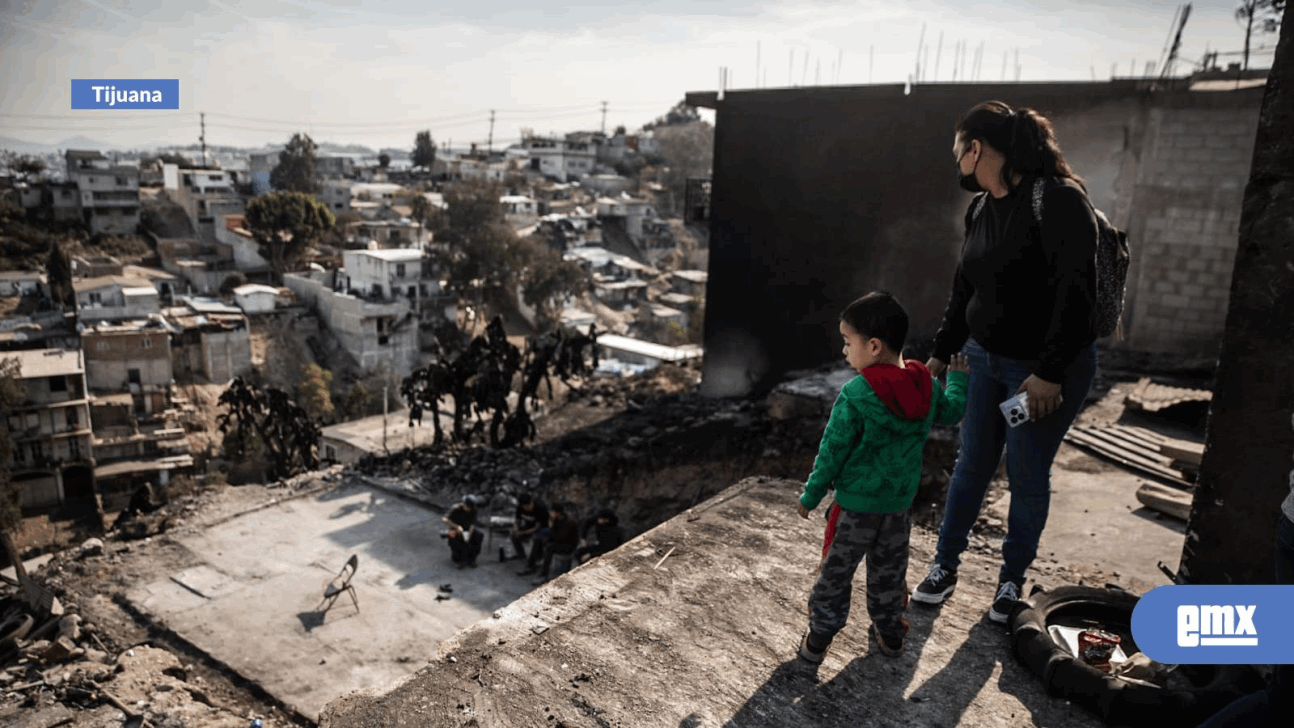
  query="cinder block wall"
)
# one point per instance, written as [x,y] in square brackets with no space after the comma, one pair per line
[1185,219]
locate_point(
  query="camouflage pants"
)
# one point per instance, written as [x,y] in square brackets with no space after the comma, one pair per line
[882,539]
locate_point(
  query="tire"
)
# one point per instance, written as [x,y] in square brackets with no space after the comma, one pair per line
[1116,701]
[14,629]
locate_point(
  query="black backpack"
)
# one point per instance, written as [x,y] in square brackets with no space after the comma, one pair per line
[1112,258]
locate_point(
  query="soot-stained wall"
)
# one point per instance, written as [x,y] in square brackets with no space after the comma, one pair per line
[821,195]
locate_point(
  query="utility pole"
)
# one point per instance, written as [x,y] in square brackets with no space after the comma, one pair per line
[604,117]
[384,411]
[202,137]
[489,144]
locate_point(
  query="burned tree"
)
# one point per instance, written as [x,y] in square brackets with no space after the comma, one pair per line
[268,418]
[479,379]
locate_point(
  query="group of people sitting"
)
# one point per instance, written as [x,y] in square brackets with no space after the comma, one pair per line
[556,539]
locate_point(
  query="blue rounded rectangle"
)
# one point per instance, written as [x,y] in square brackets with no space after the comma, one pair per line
[126,93]
[1216,624]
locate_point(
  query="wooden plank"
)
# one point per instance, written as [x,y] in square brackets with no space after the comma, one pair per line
[1132,444]
[1166,500]
[1178,449]
[1150,457]
[1123,457]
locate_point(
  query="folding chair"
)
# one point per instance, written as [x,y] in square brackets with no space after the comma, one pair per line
[340,583]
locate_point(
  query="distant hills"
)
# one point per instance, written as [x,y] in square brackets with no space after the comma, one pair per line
[81,142]
[76,142]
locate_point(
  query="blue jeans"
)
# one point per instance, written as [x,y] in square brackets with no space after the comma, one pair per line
[1030,450]
[1273,705]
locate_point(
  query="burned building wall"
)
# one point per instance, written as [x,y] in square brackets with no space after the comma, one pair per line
[823,194]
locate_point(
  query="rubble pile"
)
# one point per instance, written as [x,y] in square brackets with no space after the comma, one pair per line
[662,449]
[57,669]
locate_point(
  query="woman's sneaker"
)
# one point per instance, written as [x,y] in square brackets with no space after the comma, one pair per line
[935,588]
[1008,595]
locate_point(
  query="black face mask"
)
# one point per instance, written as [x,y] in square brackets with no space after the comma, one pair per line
[968,181]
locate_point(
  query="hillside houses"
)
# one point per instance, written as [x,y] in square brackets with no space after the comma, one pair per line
[374,304]
[98,192]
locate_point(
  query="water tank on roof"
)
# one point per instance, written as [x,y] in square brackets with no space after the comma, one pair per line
[372,245]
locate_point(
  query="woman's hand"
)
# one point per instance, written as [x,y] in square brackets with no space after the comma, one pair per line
[959,364]
[936,366]
[1044,396]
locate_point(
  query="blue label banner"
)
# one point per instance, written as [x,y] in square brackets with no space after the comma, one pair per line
[1216,625]
[126,93]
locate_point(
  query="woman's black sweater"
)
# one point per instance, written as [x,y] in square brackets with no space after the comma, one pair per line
[1024,290]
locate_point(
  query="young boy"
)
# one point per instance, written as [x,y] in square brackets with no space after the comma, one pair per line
[871,455]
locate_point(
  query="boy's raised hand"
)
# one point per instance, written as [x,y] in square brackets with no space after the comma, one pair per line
[959,363]
[799,508]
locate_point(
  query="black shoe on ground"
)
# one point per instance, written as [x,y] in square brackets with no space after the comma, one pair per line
[1008,596]
[472,563]
[891,645]
[936,587]
[503,556]
[811,655]
[526,571]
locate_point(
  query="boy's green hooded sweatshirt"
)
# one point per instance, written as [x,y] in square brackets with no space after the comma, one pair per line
[871,449]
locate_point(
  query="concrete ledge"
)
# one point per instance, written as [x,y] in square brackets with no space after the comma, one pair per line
[696,623]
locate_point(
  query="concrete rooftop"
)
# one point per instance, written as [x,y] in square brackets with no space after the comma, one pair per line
[696,622]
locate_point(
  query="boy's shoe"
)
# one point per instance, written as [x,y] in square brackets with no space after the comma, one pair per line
[810,655]
[526,571]
[936,587]
[1008,595]
[891,646]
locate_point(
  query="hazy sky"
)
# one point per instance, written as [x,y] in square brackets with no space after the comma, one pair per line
[263,69]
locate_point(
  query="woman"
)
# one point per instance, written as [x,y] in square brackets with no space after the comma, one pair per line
[1021,306]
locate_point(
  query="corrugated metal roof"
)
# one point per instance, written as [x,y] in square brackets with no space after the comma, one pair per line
[1152,397]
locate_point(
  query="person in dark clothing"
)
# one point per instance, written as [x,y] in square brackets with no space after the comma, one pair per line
[464,537]
[563,538]
[1021,310]
[1273,706]
[530,523]
[605,527]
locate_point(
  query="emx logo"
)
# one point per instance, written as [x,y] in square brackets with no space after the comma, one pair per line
[1216,625]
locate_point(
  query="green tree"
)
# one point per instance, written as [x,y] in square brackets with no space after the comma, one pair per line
[688,151]
[24,168]
[424,150]
[483,252]
[1264,14]
[384,160]
[421,209]
[313,392]
[547,280]
[286,225]
[296,169]
[12,393]
[680,115]
[232,281]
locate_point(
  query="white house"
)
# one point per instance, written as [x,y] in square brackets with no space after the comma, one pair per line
[385,274]
[207,195]
[564,159]
[115,298]
[255,298]
[519,209]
